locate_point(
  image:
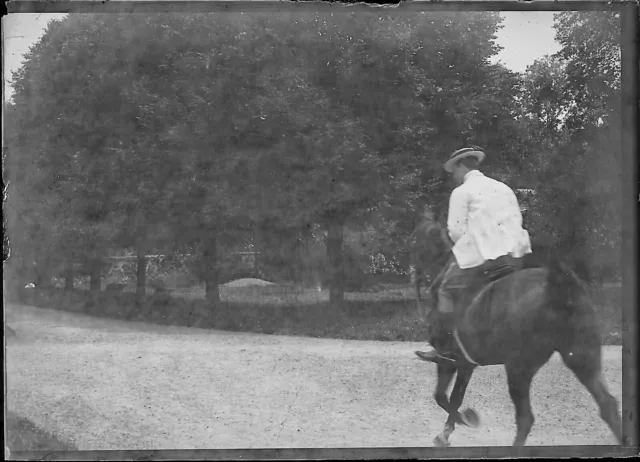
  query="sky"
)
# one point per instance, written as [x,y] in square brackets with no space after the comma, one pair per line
[526,36]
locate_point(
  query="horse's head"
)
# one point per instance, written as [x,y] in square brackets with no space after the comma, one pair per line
[428,214]
[428,243]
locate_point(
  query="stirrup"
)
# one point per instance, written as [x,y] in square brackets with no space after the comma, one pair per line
[434,357]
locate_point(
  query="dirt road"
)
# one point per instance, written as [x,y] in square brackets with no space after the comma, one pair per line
[106,384]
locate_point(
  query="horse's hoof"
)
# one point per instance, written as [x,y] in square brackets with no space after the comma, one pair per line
[440,442]
[470,418]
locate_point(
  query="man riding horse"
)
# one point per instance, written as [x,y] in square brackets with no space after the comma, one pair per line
[485,225]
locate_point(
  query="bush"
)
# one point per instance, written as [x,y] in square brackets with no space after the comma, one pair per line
[232,274]
[381,319]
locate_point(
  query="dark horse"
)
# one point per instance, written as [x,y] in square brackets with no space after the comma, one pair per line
[519,320]
[427,255]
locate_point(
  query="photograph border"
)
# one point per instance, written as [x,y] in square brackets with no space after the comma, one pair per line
[210,6]
[630,77]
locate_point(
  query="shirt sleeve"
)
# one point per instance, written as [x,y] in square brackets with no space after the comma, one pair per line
[458,208]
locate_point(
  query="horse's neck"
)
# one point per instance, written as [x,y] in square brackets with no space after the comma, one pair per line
[426,228]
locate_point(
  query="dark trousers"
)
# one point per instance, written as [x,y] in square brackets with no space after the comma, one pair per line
[455,281]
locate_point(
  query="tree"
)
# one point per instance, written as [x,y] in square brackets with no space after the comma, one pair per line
[591,50]
[63,125]
[543,96]
[542,114]
[362,152]
[574,100]
[214,126]
[82,130]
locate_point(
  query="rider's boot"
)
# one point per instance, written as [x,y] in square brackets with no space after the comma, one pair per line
[445,307]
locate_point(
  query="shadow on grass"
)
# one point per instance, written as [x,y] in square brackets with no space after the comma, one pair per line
[23,435]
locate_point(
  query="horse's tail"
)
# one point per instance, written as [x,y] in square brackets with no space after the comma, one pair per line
[574,314]
[566,289]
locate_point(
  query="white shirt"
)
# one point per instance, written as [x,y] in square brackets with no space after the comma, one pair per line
[485,221]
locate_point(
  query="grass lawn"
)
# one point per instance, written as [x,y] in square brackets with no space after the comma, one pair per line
[384,312]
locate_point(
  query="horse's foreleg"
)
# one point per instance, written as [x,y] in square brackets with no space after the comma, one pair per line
[445,377]
[454,403]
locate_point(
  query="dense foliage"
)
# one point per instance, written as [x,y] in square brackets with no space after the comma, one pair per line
[315,137]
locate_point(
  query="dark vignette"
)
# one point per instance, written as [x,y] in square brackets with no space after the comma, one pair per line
[630,77]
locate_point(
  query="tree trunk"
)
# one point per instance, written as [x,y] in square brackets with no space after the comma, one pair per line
[298,264]
[336,263]
[68,275]
[43,279]
[43,274]
[141,274]
[211,276]
[256,246]
[95,275]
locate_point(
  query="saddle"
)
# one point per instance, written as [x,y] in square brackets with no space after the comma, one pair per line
[493,274]
[495,271]
[442,332]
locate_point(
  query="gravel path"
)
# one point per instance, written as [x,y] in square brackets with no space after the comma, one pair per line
[107,384]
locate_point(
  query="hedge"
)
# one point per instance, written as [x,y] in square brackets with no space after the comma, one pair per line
[393,320]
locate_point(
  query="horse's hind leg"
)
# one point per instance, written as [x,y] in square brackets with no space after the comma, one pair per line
[520,373]
[585,363]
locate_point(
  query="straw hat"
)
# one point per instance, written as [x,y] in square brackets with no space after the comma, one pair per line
[461,154]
